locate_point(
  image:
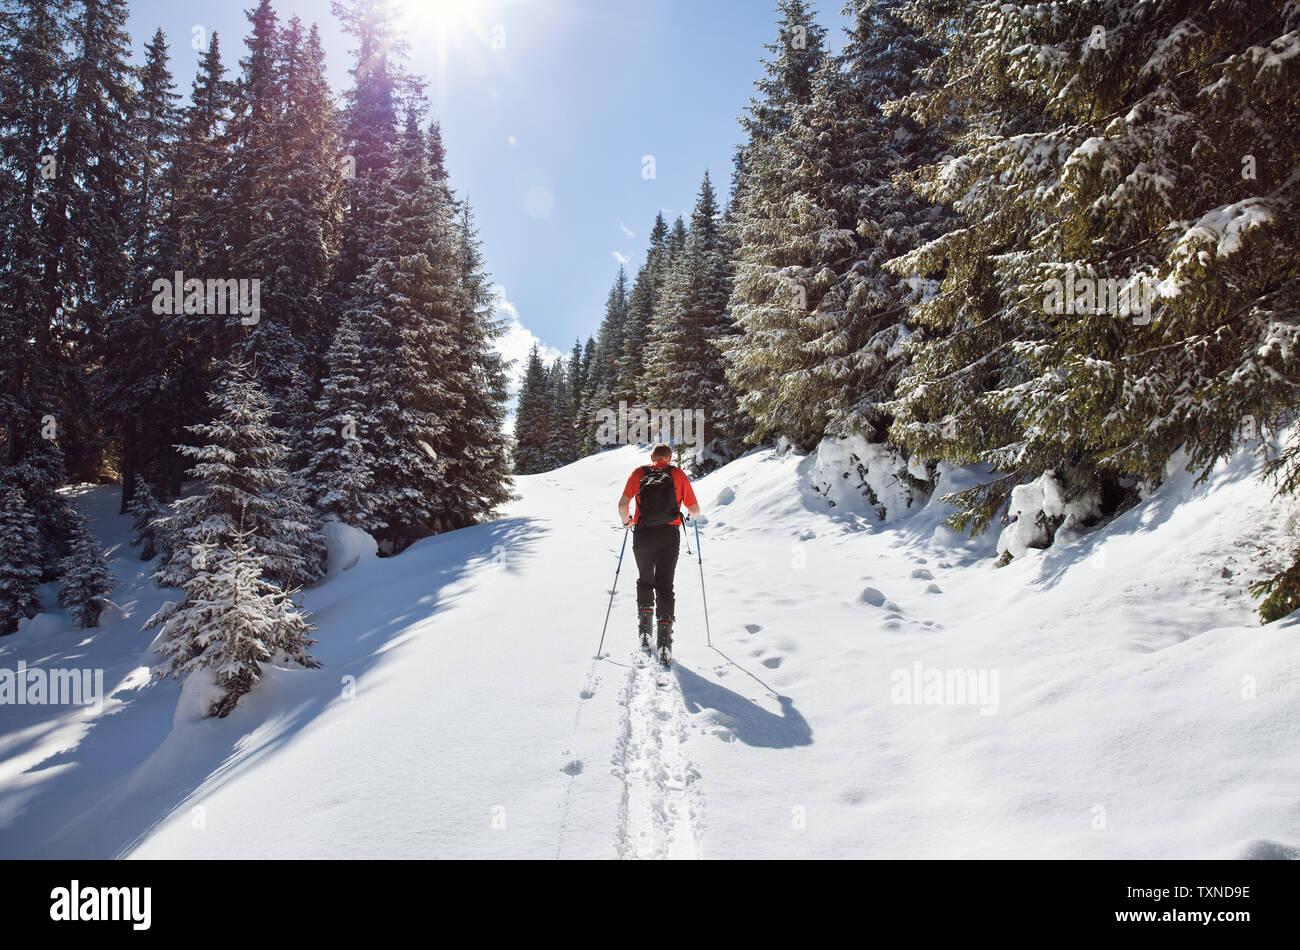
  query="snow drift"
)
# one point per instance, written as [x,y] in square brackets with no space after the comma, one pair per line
[874,689]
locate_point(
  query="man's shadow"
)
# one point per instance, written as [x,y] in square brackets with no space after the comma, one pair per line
[747,721]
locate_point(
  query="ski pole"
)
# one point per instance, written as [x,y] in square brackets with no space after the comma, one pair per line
[611,593]
[684,519]
[705,597]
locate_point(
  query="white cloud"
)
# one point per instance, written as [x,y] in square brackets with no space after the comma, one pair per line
[621,258]
[626,230]
[517,340]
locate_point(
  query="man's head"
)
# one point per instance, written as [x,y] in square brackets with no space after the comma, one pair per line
[661,453]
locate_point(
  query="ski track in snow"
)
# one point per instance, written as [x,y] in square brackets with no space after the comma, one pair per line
[662,805]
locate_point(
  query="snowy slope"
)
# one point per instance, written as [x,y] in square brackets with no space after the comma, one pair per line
[1139,709]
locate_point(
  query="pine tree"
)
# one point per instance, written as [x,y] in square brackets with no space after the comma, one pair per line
[133,363]
[86,268]
[240,459]
[583,395]
[822,319]
[370,136]
[643,302]
[33,63]
[146,514]
[532,419]
[65,146]
[684,364]
[230,622]
[38,476]
[602,381]
[265,223]
[787,82]
[412,321]
[1109,160]
[338,472]
[562,437]
[87,579]
[478,458]
[19,573]
[286,143]
[192,342]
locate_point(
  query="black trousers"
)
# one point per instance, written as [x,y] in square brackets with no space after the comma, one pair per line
[655,549]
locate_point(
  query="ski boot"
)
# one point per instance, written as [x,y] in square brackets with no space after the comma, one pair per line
[645,617]
[664,642]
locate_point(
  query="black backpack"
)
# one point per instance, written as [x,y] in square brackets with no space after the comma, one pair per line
[657,497]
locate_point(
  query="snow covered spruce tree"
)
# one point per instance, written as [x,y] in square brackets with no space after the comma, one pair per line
[64,148]
[642,304]
[285,182]
[87,579]
[603,379]
[20,573]
[370,134]
[245,491]
[562,436]
[132,371]
[532,418]
[473,448]
[189,344]
[763,317]
[337,475]
[230,622]
[85,265]
[584,413]
[1120,285]
[822,320]
[147,515]
[684,367]
[410,331]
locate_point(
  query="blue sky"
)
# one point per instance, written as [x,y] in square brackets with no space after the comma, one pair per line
[548,108]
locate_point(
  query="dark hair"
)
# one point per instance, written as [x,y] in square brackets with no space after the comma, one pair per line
[662,451]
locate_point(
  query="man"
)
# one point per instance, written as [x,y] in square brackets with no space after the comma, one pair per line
[660,489]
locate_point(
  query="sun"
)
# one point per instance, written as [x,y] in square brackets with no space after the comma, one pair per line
[453,37]
[443,18]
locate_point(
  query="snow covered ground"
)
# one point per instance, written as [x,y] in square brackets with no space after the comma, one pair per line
[874,690]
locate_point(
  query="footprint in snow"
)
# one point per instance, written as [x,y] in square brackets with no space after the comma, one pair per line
[772,662]
[753,627]
[921,574]
[872,596]
[933,589]
[573,768]
[726,496]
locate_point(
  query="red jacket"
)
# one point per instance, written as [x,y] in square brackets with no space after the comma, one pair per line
[685,494]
